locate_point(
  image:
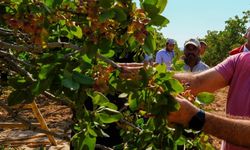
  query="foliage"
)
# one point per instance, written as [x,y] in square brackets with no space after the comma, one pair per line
[62,48]
[221,42]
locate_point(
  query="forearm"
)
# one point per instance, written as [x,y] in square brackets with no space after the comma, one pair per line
[209,80]
[235,131]
[191,80]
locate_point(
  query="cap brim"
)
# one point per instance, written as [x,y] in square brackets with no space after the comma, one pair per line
[192,43]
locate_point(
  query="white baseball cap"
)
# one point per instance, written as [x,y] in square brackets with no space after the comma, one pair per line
[194,42]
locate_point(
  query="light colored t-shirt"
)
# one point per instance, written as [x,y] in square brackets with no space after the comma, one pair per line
[163,56]
[236,71]
[245,49]
[201,66]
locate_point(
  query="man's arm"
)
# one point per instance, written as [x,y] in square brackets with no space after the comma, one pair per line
[209,80]
[235,131]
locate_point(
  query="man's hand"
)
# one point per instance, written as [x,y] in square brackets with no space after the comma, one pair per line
[184,114]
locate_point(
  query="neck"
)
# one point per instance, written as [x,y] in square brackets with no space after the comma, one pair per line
[248,45]
[168,50]
[191,65]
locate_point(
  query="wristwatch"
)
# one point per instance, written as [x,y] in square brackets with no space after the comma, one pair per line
[197,121]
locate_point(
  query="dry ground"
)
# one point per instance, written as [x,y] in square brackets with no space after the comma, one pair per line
[57,117]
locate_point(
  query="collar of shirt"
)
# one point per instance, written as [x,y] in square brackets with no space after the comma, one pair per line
[245,49]
[197,68]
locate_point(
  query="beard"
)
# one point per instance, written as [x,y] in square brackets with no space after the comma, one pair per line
[191,59]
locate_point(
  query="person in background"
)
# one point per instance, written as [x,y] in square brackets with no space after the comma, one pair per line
[191,57]
[233,130]
[203,47]
[233,72]
[148,59]
[167,54]
[243,48]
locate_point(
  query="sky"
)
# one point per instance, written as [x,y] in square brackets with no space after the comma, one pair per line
[193,18]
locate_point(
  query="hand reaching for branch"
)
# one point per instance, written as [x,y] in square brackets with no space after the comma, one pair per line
[184,114]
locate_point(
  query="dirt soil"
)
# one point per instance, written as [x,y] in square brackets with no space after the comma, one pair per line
[58,118]
[56,115]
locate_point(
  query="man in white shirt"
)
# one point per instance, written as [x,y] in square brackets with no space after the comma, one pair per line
[192,59]
[166,55]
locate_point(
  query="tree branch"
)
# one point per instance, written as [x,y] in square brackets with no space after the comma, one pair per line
[130,124]
[6,32]
[102,147]
[29,125]
[67,102]
[6,45]
[16,67]
[6,54]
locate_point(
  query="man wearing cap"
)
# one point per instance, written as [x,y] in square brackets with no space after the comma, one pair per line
[245,47]
[166,55]
[191,58]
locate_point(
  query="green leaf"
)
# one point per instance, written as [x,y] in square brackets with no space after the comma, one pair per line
[20,96]
[106,15]
[149,44]
[159,20]
[178,64]
[89,142]
[181,140]
[49,3]
[104,45]
[45,70]
[70,83]
[110,53]
[56,3]
[132,101]
[161,5]
[150,7]
[91,49]
[77,31]
[161,68]
[86,59]
[120,15]
[106,3]
[172,105]
[41,86]
[176,85]
[109,115]
[100,99]
[151,124]
[113,79]
[83,79]
[205,97]
[91,131]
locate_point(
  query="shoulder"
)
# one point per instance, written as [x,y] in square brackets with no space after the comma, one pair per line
[233,61]
[239,57]
[161,51]
[203,64]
